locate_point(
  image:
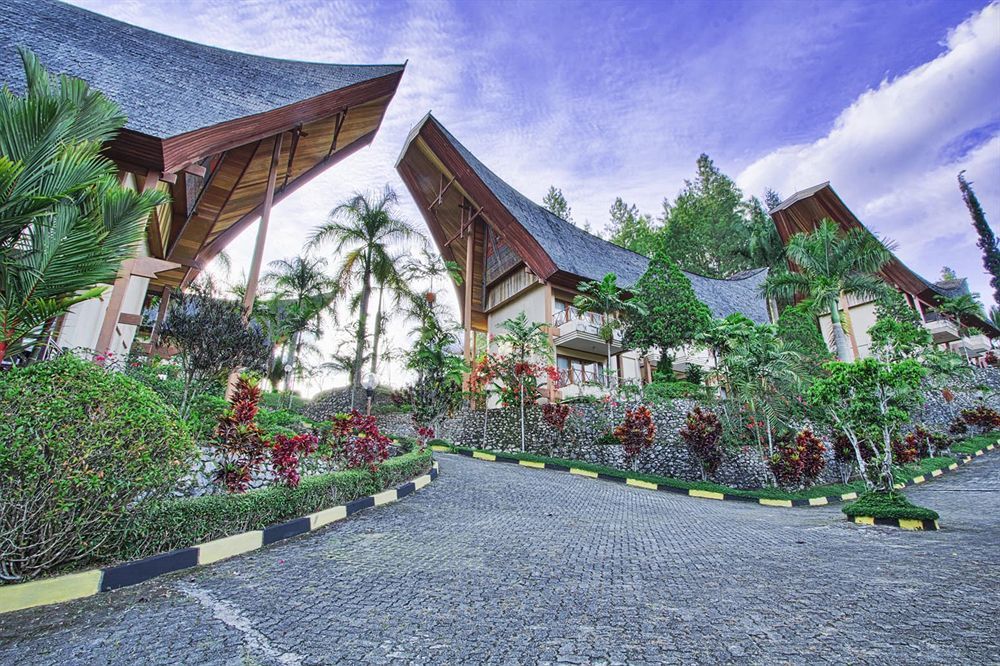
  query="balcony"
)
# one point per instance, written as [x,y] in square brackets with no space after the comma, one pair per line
[941,329]
[973,344]
[578,382]
[581,332]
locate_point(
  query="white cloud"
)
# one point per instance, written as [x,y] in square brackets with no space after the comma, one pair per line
[890,154]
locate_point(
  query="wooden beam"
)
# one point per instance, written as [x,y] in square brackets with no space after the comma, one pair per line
[194,209]
[114,309]
[296,133]
[437,201]
[265,216]
[153,239]
[130,319]
[336,132]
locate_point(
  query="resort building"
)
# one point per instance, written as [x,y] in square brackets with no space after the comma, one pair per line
[515,256]
[226,134]
[803,211]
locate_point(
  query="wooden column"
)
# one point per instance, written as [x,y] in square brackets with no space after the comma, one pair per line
[265,217]
[550,329]
[114,307]
[467,313]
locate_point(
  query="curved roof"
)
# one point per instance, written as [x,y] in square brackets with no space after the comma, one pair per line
[166,86]
[583,256]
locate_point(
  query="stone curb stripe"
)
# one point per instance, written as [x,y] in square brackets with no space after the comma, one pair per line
[904,523]
[88,583]
[693,492]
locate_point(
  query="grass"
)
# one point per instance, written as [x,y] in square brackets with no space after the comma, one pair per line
[902,474]
[888,505]
[972,444]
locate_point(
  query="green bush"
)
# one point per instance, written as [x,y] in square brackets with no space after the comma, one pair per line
[438,442]
[405,443]
[180,523]
[888,505]
[273,421]
[203,416]
[279,401]
[81,445]
[664,392]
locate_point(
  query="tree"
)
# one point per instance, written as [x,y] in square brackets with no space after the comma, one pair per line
[987,241]
[961,307]
[438,389]
[364,229]
[606,299]
[898,332]
[212,338]
[798,329]
[528,342]
[828,266]
[66,225]
[868,401]
[675,315]
[632,230]
[947,274]
[556,204]
[705,227]
[763,242]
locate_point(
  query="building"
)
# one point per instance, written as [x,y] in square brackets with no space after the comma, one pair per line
[516,256]
[803,211]
[226,134]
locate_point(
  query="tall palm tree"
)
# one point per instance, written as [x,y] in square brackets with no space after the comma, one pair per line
[607,299]
[957,308]
[364,230]
[829,265]
[302,293]
[66,225]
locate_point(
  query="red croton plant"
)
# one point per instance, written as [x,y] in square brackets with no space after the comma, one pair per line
[285,456]
[359,442]
[799,461]
[636,432]
[702,432]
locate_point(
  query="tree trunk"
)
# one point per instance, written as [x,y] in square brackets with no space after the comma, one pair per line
[359,350]
[607,369]
[839,337]
[522,415]
[378,330]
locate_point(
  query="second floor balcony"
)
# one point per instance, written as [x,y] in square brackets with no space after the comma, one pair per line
[973,344]
[582,332]
[941,329]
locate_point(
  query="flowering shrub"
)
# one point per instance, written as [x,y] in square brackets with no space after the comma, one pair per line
[285,453]
[799,461]
[239,440]
[992,359]
[702,433]
[556,415]
[424,434]
[359,442]
[636,432]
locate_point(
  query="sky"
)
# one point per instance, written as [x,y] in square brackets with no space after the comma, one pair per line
[888,101]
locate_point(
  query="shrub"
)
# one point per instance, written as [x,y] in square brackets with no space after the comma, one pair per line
[240,442]
[81,445]
[888,505]
[926,442]
[799,461]
[992,359]
[203,417]
[607,439]
[178,523]
[660,392]
[358,442]
[285,454]
[270,420]
[702,433]
[981,418]
[437,442]
[556,415]
[636,432]
[904,451]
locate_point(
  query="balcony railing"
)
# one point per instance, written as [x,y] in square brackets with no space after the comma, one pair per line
[564,316]
[579,376]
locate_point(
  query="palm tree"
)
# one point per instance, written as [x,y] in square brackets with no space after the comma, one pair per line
[66,225]
[302,293]
[364,229]
[605,298]
[961,307]
[526,340]
[829,265]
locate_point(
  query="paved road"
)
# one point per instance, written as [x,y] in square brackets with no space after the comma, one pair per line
[500,564]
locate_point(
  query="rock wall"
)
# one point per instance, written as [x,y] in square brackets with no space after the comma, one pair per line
[942,406]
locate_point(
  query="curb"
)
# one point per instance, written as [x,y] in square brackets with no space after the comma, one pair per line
[919,524]
[88,583]
[704,494]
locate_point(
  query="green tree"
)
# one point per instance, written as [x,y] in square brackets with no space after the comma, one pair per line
[961,307]
[720,335]
[556,204]
[869,400]
[898,332]
[830,265]
[675,315]
[364,230]
[632,230]
[66,225]
[947,274]
[438,389]
[763,243]
[798,328]
[705,227]
[987,240]
[607,299]
[527,342]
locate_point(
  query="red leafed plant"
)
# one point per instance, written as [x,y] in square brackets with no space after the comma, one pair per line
[424,433]
[905,451]
[702,432]
[981,417]
[359,441]
[636,432]
[238,439]
[927,443]
[556,415]
[799,461]
[285,454]
[992,359]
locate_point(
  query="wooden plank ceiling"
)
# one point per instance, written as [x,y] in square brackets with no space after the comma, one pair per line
[425,177]
[209,211]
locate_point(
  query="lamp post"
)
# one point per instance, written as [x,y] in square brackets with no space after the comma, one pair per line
[368,383]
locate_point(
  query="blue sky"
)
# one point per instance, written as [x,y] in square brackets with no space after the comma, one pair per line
[886,100]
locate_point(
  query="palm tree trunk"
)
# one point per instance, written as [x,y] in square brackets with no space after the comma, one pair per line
[378,329]
[607,369]
[359,349]
[839,337]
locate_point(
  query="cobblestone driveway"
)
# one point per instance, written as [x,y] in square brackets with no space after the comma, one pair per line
[501,564]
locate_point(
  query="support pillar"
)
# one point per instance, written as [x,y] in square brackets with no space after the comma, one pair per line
[114,307]
[467,305]
[265,217]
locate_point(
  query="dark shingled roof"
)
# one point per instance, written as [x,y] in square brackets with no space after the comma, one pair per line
[587,256]
[166,86]
[952,288]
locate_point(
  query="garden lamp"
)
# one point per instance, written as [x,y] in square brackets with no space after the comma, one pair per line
[368,383]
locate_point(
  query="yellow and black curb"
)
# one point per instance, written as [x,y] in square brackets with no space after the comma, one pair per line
[694,492]
[919,524]
[88,583]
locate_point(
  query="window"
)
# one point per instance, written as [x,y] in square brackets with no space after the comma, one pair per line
[578,371]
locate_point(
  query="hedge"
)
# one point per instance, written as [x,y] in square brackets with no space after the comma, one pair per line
[184,522]
[888,505]
[972,444]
